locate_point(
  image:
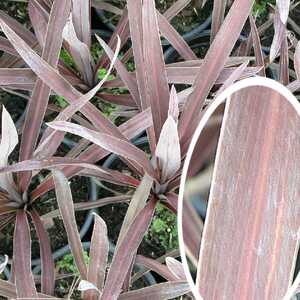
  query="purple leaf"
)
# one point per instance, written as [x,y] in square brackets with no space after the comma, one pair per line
[39,18]
[109,143]
[156,266]
[51,139]
[161,291]
[80,52]
[39,98]
[92,154]
[98,257]
[213,64]
[217,17]
[279,34]
[16,76]
[66,207]
[297,60]
[78,206]
[47,262]
[22,258]
[175,38]
[123,257]
[176,268]
[176,8]
[81,14]
[168,147]
[154,72]
[9,140]
[137,203]
[257,47]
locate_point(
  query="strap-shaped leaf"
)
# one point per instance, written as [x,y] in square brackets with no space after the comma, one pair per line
[135,16]
[56,81]
[39,18]
[284,62]
[9,140]
[37,164]
[81,14]
[39,98]
[16,76]
[98,257]
[176,8]
[257,46]
[51,139]
[168,147]
[175,38]
[66,207]
[123,257]
[6,46]
[92,154]
[79,52]
[22,258]
[279,34]
[217,17]
[109,143]
[21,30]
[48,276]
[297,60]
[212,66]
[90,205]
[176,268]
[236,75]
[156,266]
[7,289]
[283,8]
[157,84]
[137,203]
[161,291]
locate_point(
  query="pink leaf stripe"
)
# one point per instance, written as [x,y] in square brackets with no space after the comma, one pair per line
[57,82]
[41,92]
[155,266]
[213,64]
[81,14]
[259,257]
[155,73]
[22,258]
[48,275]
[257,47]
[66,207]
[176,268]
[217,17]
[92,154]
[109,143]
[297,60]
[98,257]
[123,257]
[52,139]
[39,18]
[162,291]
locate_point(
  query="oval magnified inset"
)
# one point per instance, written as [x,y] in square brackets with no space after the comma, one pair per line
[239,210]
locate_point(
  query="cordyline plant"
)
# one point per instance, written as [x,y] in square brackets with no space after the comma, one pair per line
[31,63]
